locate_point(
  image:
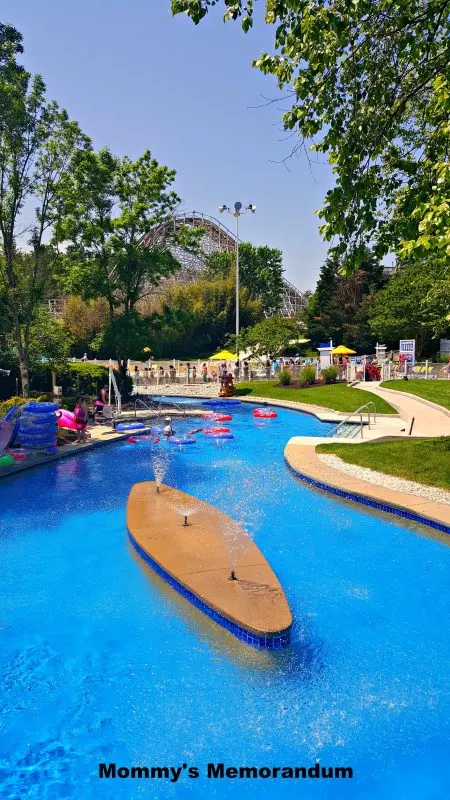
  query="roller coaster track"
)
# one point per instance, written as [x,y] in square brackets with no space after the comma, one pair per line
[217,238]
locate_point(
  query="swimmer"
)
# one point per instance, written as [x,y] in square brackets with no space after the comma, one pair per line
[168,430]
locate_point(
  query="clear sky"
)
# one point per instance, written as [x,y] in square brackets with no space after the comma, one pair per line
[136,78]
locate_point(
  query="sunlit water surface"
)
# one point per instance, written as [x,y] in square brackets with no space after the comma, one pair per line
[100,661]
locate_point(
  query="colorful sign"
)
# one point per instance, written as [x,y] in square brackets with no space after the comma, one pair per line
[407,350]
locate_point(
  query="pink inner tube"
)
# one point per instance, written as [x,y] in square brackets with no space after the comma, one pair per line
[214,431]
[66,420]
[222,418]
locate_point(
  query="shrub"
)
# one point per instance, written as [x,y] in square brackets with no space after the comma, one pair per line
[330,374]
[285,377]
[307,376]
[10,403]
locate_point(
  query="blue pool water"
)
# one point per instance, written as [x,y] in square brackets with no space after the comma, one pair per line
[101,662]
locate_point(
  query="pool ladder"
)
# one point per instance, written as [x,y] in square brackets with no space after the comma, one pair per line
[350,430]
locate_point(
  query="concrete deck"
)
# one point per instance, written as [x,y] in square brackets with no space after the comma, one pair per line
[197,558]
[429,418]
[303,460]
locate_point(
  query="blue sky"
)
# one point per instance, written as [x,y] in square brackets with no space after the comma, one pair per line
[136,78]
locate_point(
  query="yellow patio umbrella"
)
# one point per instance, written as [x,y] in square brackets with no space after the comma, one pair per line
[224,355]
[343,351]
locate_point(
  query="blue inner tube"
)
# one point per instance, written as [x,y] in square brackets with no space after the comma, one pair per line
[221,403]
[181,440]
[40,408]
[37,430]
[37,441]
[130,426]
[222,436]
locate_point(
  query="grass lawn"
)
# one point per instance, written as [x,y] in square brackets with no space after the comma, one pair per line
[423,460]
[335,396]
[436,391]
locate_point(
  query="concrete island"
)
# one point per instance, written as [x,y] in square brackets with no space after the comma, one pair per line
[195,560]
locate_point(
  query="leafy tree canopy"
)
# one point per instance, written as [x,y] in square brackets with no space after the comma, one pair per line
[260,271]
[37,142]
[339,307]
[369,85]
[271,337]
[195,318]
[408,306]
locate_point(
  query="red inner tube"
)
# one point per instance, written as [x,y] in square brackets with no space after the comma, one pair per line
[258,412]
[222,418]
[213,431]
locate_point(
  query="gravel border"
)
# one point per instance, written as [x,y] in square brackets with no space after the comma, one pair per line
[388,481]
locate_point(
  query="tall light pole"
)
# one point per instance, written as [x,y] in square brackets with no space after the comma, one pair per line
[237,212]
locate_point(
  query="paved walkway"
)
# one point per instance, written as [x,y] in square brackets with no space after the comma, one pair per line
[429,419]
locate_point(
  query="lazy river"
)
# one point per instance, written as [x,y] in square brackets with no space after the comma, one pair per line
[102,662]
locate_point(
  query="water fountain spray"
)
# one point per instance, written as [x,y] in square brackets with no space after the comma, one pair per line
[160,465]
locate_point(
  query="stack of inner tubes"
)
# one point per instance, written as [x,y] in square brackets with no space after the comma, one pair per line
[37,427]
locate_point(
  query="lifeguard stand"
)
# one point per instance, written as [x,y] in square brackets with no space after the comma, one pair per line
[325,354]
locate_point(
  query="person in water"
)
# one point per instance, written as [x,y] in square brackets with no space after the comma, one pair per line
[81,416]
[168,430]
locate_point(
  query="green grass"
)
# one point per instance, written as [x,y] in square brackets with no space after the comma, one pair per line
[423,460]
[436,391]
[337,396]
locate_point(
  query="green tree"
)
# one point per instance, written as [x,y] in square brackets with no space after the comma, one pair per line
[84,321]
[37,141]
[402,309]
[196,318]
[260,271]
[271,337]
[108,206]
[340,306]
[368,81]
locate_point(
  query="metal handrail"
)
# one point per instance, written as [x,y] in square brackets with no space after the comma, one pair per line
[359,411]
[158,407]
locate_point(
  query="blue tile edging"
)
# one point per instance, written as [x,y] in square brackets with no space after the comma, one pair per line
[367,501]
[276,641]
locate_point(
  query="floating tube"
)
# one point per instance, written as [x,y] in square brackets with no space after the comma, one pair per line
[132,440]
[5,434]
[181,440]
[38,426]
[264,413]
[67,420]
[12,416]
[215,431]
[222,417]
[222,436]
[40,408]
[130,426]
[221,403]
[18,454]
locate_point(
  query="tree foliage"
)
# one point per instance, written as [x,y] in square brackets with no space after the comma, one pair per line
[340,306]
[260,271]
[37,141]
[108,205]
[196,318]
[85,320]
[271,337]
[407,308]
[368,80]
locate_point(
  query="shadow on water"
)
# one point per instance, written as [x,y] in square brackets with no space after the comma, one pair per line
[301,661]
[384,516]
